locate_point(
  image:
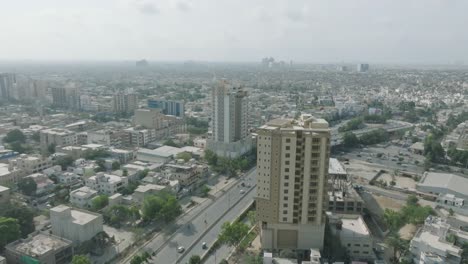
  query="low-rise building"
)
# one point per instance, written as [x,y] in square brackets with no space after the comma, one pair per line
[4,195]
[29,164]
[39,248]
[429,244]
[58,137]
[9,176]
[354,235]
[107,183]
[439,184]
[149,189]
[82,197]
[123,155]
[160,155]
[44,184]
[186,175]
[75,225]
[106,137]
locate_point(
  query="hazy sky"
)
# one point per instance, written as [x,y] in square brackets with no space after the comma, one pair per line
[407,31]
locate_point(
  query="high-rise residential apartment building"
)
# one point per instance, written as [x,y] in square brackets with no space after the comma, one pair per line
[66,97]
[292,174]
[363,67]
[7,86]
[229,120]
[31,90]
[124,102]
[230,112]
[175,108]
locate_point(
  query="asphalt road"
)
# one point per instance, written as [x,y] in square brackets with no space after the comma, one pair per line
[203,227]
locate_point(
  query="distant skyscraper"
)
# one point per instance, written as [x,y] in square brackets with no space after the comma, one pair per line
[230,112]
[292,173]
[229,120]
[124,103]
[175,108]
[66,97]
[7,86]
[363,67]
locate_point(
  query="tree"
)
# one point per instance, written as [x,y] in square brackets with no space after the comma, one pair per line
[252,216]
[23,214]
[119,214]
[64,161]
[223,261]
[15,136]
[186,156]
[195,259]
[80,259]
[451,212]
[93,154]
[399,246]
[51,148]
[99,202]
[36,136]
[27,186]
[115,165]
[125,172]
[211,157]
[9,230]
[353,124]
[136,260]
[101,164]
[205,190]
[350,140]
[163,206]
[170,143]
[232,233]
[412,200]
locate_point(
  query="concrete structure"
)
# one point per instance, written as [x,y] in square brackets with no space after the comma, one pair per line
[2,260]
[164,125]
[75,225]
[39,248]
[138,137]
[124,103]
[185,175]
[66,97]
[354,235]
[159,155]
[29,164]
[149,189]
[429,244]
[57,136]
[417,148]
[443,183]
[292,174]
[123,155]
[9,176]
[105,137]
[362,67]
[7,86]
[175,108]
[229,119]
[82,197]
[44,184]
[106,183]
[4,195]
[343,199]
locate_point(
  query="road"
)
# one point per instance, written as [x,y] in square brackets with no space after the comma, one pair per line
[204,226]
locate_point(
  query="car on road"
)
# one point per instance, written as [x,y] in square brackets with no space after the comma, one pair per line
[203,245]
[242,191]
[180,249]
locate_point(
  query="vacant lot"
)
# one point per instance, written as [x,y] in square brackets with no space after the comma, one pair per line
[400,182]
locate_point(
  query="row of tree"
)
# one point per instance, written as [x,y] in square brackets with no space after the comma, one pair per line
[229,166]
[350,140]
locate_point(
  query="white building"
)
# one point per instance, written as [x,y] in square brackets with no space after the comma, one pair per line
[123,155]
[44,184]
[106,183]
[159,155]
[443,183]
[124,102]
[82,197]
[75,225]
[229,120]
[9,176]
[149,189]
[4,195]
[354,236]
[429,244]
[57,136]
[30,163]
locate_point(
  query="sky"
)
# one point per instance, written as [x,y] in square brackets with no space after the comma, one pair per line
[374,31]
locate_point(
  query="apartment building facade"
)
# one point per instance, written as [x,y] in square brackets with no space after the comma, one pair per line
[292,172]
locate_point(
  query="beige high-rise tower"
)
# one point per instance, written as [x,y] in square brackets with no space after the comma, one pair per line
[292,172]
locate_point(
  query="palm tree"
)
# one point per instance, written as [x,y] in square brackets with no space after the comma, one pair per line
[398,244]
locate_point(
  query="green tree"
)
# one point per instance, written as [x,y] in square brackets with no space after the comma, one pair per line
[136,260]
[353,124]
[163,206]
[15,136]
[398,245]
[9,230]
[64,161]
[350,140]
[101,164]
[170,143]
[36,136]
[51,148]
[186,156]
[232,233]
[27,186]
[23,214]
[115,165]
[80,259]
[205,190]
[195,259]
[211,157]
[125,172]
[412,200]
[451,212]
[99,202]
[252,216]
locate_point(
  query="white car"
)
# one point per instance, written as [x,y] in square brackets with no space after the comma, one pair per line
[242,191]
[180,249]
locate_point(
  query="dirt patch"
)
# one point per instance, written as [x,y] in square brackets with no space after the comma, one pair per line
[400,182]
[388,203]
[407,231]
[360,170]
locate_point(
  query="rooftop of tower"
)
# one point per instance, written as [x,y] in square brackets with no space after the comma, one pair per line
[305,121]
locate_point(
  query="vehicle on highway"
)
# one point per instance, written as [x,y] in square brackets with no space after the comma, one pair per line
[204,245]
[180,249]
[242,191]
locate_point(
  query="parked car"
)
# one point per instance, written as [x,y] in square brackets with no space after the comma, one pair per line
[180,249]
